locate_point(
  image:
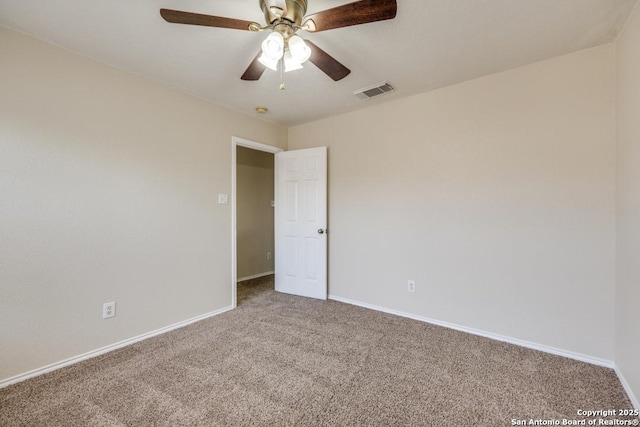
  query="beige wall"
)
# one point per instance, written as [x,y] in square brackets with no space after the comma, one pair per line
[254,193]
[108,191]
[496,196]
[628,205]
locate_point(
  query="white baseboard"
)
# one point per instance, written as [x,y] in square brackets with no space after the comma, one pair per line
[256,276]
[627,388]
[527,344]
[497,337]
[79,358]
[552,350]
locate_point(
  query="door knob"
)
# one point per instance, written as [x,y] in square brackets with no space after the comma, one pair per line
[320,231]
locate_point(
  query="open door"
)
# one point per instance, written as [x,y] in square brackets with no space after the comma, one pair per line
[301,222]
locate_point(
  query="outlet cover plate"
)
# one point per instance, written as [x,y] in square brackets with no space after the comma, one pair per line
[411,286]
[108,309]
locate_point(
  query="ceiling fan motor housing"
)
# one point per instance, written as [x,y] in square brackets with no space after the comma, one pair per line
[294,10]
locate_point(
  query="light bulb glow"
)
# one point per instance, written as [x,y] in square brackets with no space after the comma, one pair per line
[299,50]
[290,63]
[273,46]
[269,62]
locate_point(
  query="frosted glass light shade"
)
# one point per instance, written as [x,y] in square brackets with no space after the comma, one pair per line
[299,50]
[273,46]
[269,62]
[290,63]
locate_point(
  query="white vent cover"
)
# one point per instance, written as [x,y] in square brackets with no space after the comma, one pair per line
[375,90]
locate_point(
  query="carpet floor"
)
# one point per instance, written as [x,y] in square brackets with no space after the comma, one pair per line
[284,360]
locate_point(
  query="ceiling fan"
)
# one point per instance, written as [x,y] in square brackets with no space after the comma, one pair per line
[284,18]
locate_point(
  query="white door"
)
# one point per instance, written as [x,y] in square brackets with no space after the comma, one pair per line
[301,222]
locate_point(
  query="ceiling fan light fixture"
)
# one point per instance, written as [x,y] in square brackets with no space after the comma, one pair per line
[284,18]
[269,62]
[273,46]
[299,50]
[290,63]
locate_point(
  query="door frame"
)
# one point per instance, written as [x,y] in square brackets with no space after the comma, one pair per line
[241,142]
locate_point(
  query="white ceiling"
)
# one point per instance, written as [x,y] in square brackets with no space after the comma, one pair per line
[430,44]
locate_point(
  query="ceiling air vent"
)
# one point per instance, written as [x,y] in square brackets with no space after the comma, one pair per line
[375,90]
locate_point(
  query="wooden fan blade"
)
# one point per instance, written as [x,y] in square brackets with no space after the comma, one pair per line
[179,17]
[255,69]
[327,63]
[356,13]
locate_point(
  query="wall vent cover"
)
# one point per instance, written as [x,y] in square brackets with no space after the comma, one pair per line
[375,90]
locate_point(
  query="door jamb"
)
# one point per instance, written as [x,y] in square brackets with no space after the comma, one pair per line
[240,142]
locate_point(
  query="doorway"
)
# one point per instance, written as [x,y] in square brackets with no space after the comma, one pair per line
[252,196]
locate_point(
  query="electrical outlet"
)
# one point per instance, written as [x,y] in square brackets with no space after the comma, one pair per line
[268,255]
[411,286]
[108,309]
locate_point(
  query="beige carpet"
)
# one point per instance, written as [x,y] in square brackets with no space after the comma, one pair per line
[284,360]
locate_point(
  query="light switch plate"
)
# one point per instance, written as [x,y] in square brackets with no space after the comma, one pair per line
[223,199]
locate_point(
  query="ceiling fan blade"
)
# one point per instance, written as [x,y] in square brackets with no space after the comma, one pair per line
[255,69]
[327,63]
[356,13]
[179,17]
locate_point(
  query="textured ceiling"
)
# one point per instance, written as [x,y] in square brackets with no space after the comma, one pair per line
[430,44]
